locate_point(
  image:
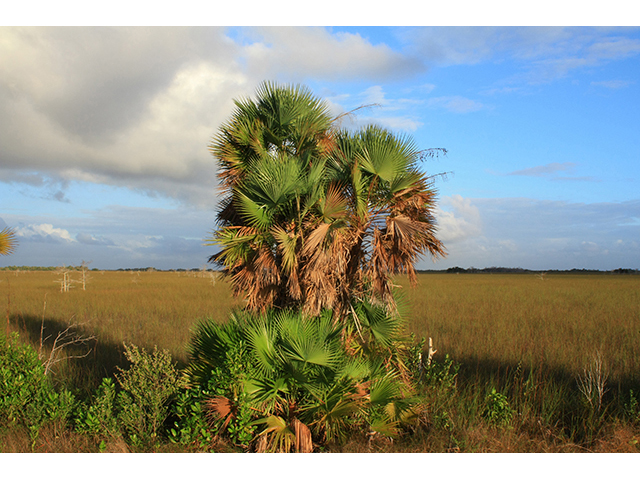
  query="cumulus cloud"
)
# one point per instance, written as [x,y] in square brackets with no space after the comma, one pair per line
[44,232]
[460,221]
[537,234]
[316,52]
[115,237]
[136,107]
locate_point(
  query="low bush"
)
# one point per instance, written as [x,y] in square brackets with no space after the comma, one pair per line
[189,426]
[27,395]
[282,381]
[98,418]
[146,389]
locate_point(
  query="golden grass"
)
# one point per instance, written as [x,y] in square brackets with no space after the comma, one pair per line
[497,326]
[559,322]
[146,308]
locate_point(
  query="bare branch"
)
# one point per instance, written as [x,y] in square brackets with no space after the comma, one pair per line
[66,338]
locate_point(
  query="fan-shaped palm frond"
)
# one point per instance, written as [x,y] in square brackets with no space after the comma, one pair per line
[8,242]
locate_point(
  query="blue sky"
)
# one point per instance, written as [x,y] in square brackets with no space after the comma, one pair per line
[103,150]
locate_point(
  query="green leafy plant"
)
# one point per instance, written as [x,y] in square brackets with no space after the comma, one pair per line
[146,389]
[442,374]
[100,417]
[190,427]
[632,408]
[27,396]
[497,410]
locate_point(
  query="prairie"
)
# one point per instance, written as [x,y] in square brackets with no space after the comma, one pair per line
[524,346]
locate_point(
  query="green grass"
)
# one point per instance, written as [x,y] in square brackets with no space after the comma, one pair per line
[522,344]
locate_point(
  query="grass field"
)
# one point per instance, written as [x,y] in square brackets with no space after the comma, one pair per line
[529,339]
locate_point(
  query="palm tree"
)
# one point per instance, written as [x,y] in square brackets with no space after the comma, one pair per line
[7,241]
[313,217]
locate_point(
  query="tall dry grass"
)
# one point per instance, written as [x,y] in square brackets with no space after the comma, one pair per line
[559,323]
[518,339]
[146,308]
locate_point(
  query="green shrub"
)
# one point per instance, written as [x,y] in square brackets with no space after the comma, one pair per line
[441,374]
[497,409]
[632,408]
[27,396]
[100,417]
[190,427]
[146,389]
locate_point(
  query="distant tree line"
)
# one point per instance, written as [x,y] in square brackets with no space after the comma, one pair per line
[584,271]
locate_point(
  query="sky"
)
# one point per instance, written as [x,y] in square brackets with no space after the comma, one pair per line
[103,145]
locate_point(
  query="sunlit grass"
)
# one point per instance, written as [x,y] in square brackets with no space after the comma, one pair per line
[527,338]
[144,308]
[559,322]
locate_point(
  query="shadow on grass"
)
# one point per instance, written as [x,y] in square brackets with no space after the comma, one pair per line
[81,366]
[478,371]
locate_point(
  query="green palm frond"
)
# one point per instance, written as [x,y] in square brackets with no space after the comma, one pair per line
[262,337]
[277,434]
[269,392]
[255,214]
[382,326]
[209,346]
[237,246]
[330,408]
[384,390]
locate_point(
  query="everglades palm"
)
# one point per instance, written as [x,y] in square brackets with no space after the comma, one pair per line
[374,221]
[270,157]
[295,377]
[313,217]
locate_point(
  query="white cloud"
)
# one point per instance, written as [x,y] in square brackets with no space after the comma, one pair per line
[375,95]
[463,221]
[374,107]
[316,52]
[541,235]
[88,239]
[545,170]
[137,107]
[44,232]
[543,53]
[551,170]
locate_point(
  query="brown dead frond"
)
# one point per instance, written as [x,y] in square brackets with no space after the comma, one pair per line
[219,408]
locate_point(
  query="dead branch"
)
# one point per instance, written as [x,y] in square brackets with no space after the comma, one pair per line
[66,338]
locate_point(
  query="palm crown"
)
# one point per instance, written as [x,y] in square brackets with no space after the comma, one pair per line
[314,217]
